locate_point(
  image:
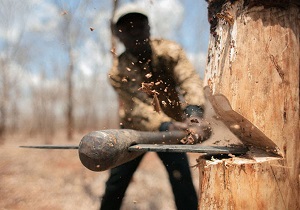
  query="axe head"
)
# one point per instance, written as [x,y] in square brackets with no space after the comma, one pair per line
[230,127]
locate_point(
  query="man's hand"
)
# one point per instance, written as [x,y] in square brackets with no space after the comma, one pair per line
[197,129]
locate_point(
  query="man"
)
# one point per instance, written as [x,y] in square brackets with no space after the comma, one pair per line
[159,90]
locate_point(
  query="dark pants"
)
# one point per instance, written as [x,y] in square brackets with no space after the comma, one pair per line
[179,174]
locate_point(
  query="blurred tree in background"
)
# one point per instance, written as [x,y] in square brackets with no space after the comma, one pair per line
[55,54]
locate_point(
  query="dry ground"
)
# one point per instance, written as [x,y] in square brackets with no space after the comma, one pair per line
[56,180]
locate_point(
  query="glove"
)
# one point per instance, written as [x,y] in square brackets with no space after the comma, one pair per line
[197,129]
[189,111]
[194,111]
[171,126]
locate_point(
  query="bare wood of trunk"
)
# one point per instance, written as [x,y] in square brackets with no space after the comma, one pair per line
[254,59]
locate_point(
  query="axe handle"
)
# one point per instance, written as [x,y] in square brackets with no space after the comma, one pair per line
[102,150]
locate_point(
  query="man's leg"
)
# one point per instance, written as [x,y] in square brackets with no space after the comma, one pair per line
[117,184]
[180,177]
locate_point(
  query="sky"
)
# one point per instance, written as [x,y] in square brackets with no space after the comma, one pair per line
[34,39]
[184,21]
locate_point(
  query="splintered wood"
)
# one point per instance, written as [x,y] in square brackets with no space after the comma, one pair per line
[240,183]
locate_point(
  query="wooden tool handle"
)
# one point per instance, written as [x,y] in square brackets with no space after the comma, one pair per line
[102,150]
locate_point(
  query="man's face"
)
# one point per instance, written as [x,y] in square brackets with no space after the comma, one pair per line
[134,32]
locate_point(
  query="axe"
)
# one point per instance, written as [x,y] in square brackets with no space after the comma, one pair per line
[102,150]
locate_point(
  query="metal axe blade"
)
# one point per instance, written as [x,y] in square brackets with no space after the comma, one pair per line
[208,150]
[224,118]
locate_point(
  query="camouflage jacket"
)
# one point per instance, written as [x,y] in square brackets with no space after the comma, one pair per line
[174,80]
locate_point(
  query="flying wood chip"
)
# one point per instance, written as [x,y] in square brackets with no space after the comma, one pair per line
[156,103]
[147,88]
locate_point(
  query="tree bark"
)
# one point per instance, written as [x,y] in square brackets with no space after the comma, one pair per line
[70,90]
[4,96]
[253,60]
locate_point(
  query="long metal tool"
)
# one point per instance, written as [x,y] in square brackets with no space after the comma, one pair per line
[209,150]
[102,150]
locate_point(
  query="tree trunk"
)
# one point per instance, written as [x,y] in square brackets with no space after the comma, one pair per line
[253,59]
[70,90]
[4,98]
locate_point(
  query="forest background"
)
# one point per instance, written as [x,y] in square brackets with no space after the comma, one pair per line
[55,55]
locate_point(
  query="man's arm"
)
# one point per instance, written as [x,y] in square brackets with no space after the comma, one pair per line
[191,88]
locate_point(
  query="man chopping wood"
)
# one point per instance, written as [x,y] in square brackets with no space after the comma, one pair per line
[159,90]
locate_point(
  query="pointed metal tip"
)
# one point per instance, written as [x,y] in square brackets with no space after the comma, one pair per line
[49,146]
